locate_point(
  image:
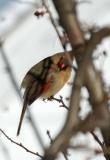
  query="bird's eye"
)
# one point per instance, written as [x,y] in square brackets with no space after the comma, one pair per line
[62,64]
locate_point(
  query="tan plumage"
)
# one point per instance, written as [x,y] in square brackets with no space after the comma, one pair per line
[45,79]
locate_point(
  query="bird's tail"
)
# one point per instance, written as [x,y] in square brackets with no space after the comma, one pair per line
[22,116]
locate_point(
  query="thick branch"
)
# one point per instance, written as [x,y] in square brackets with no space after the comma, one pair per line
[67,14]
[86,75]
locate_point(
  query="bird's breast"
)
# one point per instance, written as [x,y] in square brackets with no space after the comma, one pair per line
[54,82]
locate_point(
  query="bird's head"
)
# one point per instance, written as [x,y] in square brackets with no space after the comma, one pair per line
[61,61]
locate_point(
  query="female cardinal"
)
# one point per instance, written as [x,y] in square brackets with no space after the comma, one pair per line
[45,79]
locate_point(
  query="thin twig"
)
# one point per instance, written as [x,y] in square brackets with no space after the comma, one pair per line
[20,145]
[51,141]
[97,139]
[59,100]
[48,133]
[106,150]
[63,40]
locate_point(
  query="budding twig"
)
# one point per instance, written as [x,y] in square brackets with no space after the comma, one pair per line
[60,100]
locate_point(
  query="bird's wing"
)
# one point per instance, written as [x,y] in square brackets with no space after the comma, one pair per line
[34,72]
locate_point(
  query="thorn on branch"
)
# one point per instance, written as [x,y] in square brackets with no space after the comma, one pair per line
[48,133]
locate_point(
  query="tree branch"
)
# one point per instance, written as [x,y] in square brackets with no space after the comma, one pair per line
[20,144]
[86,75]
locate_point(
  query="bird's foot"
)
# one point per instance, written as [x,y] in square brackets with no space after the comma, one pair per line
[50,98]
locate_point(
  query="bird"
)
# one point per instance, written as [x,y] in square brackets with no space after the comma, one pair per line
[45,79]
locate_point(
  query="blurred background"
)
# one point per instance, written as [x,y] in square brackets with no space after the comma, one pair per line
[27,39]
